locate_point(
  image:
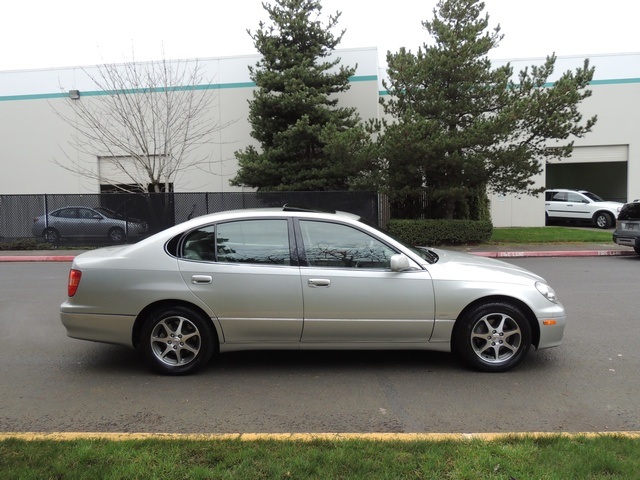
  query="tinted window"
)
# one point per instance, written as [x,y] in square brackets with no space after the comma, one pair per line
[86,213]
[631,211]
[200,244]
[576,198]
[66,213]
[593,196]
[334,245]
[254,241]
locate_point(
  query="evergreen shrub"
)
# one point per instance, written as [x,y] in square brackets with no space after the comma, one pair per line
[441,232]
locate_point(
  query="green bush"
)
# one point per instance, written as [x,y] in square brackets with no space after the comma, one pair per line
[441,232]
[22,244]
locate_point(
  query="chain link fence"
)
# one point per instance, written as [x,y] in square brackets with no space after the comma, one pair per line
[113,218]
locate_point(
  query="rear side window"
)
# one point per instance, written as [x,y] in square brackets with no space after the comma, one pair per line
[200,244]
[254,241]
[631,211]
[66,213]
[556,196]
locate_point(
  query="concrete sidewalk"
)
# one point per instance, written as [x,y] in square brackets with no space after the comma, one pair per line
[492,251]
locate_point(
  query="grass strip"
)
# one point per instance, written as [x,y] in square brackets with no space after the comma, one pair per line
[557,235]
[509,458]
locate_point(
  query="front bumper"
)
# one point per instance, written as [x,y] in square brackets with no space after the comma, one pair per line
[551,334]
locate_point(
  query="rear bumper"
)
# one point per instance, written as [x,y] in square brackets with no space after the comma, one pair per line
[116,329]
[626,240]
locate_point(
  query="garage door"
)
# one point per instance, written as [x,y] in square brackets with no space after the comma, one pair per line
[601,169]
[605,153]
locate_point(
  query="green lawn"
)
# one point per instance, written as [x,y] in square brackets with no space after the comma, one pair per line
[508,458]
[549,235]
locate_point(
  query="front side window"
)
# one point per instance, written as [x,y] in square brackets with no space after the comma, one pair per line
[576,198]
[342,246]
[85,213]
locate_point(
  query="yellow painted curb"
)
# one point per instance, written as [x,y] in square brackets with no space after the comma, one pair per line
[303,437]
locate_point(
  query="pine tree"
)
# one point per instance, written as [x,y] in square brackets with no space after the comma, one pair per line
[461,127]
[307,142]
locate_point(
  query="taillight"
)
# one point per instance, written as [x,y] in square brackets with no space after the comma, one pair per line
[74,281]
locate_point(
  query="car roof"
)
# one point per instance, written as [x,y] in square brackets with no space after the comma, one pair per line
[285,211]
[565,190]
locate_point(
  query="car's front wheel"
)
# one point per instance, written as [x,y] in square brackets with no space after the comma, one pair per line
[603,220]
[493,337]
[51,235]
[177,340]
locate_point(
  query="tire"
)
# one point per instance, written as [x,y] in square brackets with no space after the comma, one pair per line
[177,340]
[51,235]
[602,220]
[492,337]
[116,235]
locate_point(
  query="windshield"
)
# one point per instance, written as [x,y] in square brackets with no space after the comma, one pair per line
[107,213]
[423,252]
[592,196]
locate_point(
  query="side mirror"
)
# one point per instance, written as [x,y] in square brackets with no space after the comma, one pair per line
[400,263]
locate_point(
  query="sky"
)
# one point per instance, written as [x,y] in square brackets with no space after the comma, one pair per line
[63,33]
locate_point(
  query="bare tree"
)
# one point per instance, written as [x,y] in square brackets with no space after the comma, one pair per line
[143,123]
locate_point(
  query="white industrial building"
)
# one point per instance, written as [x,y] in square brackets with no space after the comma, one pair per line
[35,140]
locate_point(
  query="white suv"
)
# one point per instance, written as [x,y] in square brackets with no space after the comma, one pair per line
[580,205]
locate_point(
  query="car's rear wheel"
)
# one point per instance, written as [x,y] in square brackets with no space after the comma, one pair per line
[603,220]
[116,235]
[493,337]
[51,235]
[178,340]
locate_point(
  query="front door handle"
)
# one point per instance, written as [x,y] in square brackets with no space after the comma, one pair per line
[319,282]
[201,279]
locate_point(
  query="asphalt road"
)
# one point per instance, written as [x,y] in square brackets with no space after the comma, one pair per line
[50,383]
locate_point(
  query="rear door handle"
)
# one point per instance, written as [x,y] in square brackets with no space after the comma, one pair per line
[201,279]
[319,282]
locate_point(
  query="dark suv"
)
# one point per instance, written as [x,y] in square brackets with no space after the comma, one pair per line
[627,230]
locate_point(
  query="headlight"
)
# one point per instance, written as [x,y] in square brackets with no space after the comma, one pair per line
[547,292]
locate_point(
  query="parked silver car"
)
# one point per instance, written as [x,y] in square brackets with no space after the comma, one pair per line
[293,279]
[85,222]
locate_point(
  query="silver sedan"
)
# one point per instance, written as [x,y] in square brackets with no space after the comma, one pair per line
[85,222]
[293,279]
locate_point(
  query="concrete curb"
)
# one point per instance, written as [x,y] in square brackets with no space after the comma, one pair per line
[37,258]
[304,437]
[556,253]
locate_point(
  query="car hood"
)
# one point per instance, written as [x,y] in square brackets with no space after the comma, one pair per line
[611,205]
[464,266]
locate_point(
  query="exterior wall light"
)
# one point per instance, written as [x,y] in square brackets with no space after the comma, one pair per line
[74,94]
